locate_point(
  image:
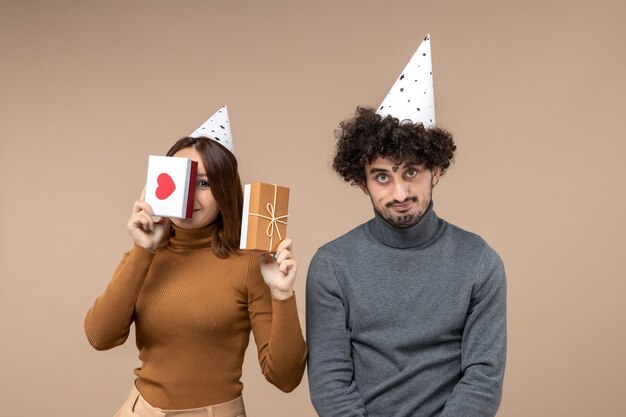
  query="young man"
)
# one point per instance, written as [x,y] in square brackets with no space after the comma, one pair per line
[405,313]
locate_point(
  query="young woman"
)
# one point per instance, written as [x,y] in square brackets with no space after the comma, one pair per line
[194,298]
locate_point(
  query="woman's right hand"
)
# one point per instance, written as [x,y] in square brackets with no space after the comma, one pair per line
[145,230]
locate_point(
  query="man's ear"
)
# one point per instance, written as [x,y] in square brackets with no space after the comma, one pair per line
[436,174]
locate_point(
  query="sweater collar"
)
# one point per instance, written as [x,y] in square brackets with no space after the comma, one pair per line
[407,237]
[189,239]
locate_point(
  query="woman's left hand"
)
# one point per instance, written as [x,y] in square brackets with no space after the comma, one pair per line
[279,274]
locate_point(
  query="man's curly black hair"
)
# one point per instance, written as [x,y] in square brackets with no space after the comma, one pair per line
[368,136]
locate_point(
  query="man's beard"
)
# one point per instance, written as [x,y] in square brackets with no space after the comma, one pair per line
[402,221]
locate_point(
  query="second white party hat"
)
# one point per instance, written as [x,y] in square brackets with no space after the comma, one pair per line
[217,128]
[412,96]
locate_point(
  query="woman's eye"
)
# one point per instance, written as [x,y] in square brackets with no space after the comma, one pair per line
[202,184]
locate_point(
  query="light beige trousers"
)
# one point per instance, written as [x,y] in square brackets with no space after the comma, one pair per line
[137,406]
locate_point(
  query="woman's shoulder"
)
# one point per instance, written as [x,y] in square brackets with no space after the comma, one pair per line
[243,261]
[243,257]
[250,261]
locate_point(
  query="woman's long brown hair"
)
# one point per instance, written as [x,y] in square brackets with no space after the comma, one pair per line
[223,177]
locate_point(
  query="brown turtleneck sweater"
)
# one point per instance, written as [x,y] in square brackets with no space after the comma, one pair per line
[193,313]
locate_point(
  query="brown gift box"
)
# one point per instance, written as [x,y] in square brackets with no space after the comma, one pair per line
[264,220]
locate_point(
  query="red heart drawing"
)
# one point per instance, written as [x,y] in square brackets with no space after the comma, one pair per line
[166,186]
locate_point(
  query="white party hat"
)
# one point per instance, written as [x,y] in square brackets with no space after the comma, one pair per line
[217,128]
[412,96]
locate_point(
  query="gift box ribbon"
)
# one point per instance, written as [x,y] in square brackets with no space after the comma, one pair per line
[273,225]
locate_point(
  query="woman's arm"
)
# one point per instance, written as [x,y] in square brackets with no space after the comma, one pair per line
[108,321]
[274,318]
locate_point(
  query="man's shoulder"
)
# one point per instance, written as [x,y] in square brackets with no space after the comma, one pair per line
[344,243]
[459,234]
[467,241]
[335,255]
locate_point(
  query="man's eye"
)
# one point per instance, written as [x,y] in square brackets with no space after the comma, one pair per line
[382,178]
[411,173]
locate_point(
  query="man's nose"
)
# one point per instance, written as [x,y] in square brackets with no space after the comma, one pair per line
[400,191]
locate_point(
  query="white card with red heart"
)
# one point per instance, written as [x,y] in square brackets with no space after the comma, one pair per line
[171,186]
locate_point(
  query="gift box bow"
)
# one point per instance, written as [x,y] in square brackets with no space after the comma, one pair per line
[273,224]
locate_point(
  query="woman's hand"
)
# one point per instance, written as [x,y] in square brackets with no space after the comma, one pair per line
[145,230]
[279,274]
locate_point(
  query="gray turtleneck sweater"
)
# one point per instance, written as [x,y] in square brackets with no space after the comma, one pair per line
[406,322]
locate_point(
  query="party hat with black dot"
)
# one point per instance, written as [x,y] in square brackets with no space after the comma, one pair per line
[412,96]
[217,128]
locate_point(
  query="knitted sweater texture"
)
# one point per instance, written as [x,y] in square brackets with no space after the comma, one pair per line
[193,313]
[406,322]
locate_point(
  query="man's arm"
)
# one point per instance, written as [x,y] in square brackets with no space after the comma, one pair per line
[330,369]
[483,349]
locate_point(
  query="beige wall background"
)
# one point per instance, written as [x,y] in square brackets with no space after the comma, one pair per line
[534,92]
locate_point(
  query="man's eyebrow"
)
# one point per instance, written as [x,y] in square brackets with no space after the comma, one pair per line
[375,170]
[413,165]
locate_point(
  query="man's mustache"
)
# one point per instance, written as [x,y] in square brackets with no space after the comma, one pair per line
[391,203]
